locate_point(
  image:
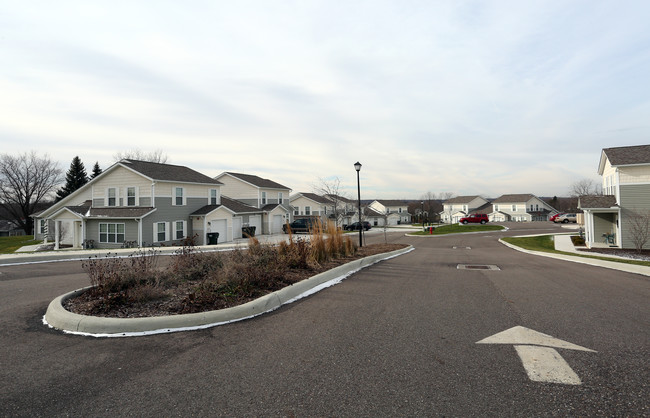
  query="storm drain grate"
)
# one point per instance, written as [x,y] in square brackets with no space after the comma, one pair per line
[477,267]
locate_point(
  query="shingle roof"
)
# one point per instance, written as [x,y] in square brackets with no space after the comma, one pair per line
[392,202]
[461,199]
[485,208]
[593,202]
[368,211]
[316,198]
[231,204]
[258,181]
[639,154]
[514,198]
[168,172]
[122,213]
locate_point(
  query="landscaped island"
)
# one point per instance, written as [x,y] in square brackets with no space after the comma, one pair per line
[190,281]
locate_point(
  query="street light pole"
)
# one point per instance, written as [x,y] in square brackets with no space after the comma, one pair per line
[422,215]
[357,166]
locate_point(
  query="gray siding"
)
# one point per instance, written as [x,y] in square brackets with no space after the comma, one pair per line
[165,212]
[634,199]
[92,231]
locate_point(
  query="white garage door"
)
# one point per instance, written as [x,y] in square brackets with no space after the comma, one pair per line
[256,221]
[278,220]
[236,228]
[220,226]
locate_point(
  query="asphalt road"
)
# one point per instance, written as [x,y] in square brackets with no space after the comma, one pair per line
[396,339]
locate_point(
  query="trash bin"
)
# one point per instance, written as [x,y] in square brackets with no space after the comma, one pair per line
[248,231]
[213,237]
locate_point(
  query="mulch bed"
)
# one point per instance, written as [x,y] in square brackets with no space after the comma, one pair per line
[176,299]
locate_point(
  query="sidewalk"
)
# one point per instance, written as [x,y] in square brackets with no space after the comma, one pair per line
[28,254]
[563,243]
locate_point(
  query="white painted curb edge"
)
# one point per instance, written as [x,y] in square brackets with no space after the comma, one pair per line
[59,318]
[629,268]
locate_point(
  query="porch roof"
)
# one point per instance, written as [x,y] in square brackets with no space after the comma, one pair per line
[122,213]
[597,202]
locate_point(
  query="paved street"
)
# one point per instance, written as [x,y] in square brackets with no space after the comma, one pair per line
[396,339]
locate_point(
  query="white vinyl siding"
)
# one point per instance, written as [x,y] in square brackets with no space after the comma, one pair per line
[111,233]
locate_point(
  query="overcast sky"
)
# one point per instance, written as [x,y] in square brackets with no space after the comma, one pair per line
[469,97]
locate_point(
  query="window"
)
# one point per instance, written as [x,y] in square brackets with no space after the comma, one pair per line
[514,208]
[307,210]
[178,196]
[111,233]
[179,227]
[496,208]
[42,226]
[296,211]
[111,196]
[280,198]
[160,232]
[264,198]
[400,210]
[130,196]
[213,197]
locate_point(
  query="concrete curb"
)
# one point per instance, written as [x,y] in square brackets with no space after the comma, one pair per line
[59,318]
[629,268]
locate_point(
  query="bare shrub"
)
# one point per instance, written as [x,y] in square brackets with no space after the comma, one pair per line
[639,228]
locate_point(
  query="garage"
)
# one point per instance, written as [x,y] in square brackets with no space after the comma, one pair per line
[278,221]
[220,226]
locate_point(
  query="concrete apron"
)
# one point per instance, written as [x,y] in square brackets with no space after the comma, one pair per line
[59,318]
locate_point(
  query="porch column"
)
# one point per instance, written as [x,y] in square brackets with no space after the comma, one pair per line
[56,234]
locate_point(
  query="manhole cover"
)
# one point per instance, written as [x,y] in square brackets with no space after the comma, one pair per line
[477,267]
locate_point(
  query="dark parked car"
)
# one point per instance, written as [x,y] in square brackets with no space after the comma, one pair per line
[300,225]
[356,226]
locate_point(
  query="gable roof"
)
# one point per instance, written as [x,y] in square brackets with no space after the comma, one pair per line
[392,202]
[461,199]
[232,205]
[514,198]
[256,180]
[168,172]
[617,156]
[315,197]
[594,202]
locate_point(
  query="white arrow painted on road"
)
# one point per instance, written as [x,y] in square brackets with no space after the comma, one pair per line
[537,352]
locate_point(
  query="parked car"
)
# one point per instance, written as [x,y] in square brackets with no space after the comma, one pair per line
[300,225]
[566,218]
[554,217]
[475,218]
[356,226]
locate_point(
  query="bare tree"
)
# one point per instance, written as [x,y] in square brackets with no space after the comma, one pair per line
[331,190]
[25,181]
[639,228]
[584,187]
[156,156]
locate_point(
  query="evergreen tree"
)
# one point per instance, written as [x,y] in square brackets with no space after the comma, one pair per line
[74,178]
[96,170]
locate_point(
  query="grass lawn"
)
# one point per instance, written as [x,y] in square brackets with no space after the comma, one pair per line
[457,229]
[9,245]
[544,243]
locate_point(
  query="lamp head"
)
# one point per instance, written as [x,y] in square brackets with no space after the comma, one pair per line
[357,166]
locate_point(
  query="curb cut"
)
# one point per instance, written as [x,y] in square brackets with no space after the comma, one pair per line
[628,268]
[71,323]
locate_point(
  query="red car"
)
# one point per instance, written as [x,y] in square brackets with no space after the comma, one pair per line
[552,218]
[475,218]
